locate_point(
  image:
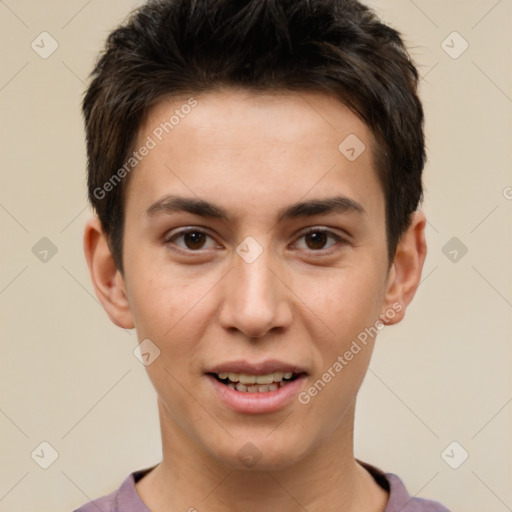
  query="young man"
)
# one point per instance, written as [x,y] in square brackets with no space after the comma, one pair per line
[256,172]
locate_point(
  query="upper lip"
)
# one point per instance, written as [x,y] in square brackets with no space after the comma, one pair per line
[261,368]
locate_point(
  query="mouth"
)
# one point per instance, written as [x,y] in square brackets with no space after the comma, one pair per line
[251,383]
[255,388]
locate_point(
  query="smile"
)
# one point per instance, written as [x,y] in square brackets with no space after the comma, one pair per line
[247,383]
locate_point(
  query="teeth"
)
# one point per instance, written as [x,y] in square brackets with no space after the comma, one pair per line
[255,380]
[256,383]
[247,379]
[265,379]
[279,376]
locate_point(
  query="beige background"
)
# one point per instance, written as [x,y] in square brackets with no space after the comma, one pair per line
[69,377]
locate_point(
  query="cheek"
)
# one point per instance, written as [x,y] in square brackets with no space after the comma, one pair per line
[350,307]
[172,310]
[163,298]
[347,300]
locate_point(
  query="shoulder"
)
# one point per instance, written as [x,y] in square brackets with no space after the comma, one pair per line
[105,503]
[399,499]
[124,499]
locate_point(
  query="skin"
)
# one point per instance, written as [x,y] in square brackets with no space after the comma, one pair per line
[303,300]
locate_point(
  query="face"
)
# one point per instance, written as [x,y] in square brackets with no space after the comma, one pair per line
[255,259]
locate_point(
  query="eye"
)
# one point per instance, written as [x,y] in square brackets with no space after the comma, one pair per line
[317,238]
[193,239]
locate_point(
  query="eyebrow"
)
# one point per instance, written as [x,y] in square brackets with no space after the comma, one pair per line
[337,204]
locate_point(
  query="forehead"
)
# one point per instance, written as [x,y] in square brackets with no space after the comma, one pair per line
[220,114]
[233,142]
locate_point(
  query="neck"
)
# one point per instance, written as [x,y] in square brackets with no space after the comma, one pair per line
[327,479]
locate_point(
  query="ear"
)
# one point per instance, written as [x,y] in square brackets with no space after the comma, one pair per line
[106,278]
[405,272]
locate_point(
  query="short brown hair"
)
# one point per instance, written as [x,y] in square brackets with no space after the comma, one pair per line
[171,47]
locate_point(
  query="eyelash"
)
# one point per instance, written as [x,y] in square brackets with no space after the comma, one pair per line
[338,239]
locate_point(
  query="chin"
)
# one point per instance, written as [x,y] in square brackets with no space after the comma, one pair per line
[261,453]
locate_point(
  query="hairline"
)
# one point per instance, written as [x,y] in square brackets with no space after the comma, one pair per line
[378,152]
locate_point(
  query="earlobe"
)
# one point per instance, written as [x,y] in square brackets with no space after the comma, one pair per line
[405,272]
[106,278]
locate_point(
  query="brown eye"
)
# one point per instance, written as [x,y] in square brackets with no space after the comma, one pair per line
[192,240]
[317,239]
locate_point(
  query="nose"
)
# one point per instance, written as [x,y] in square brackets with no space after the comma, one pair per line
[255,298]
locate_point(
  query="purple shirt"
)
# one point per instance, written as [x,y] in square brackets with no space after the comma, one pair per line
[126,499]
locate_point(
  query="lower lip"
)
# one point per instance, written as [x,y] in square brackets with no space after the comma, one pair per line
[257,403]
